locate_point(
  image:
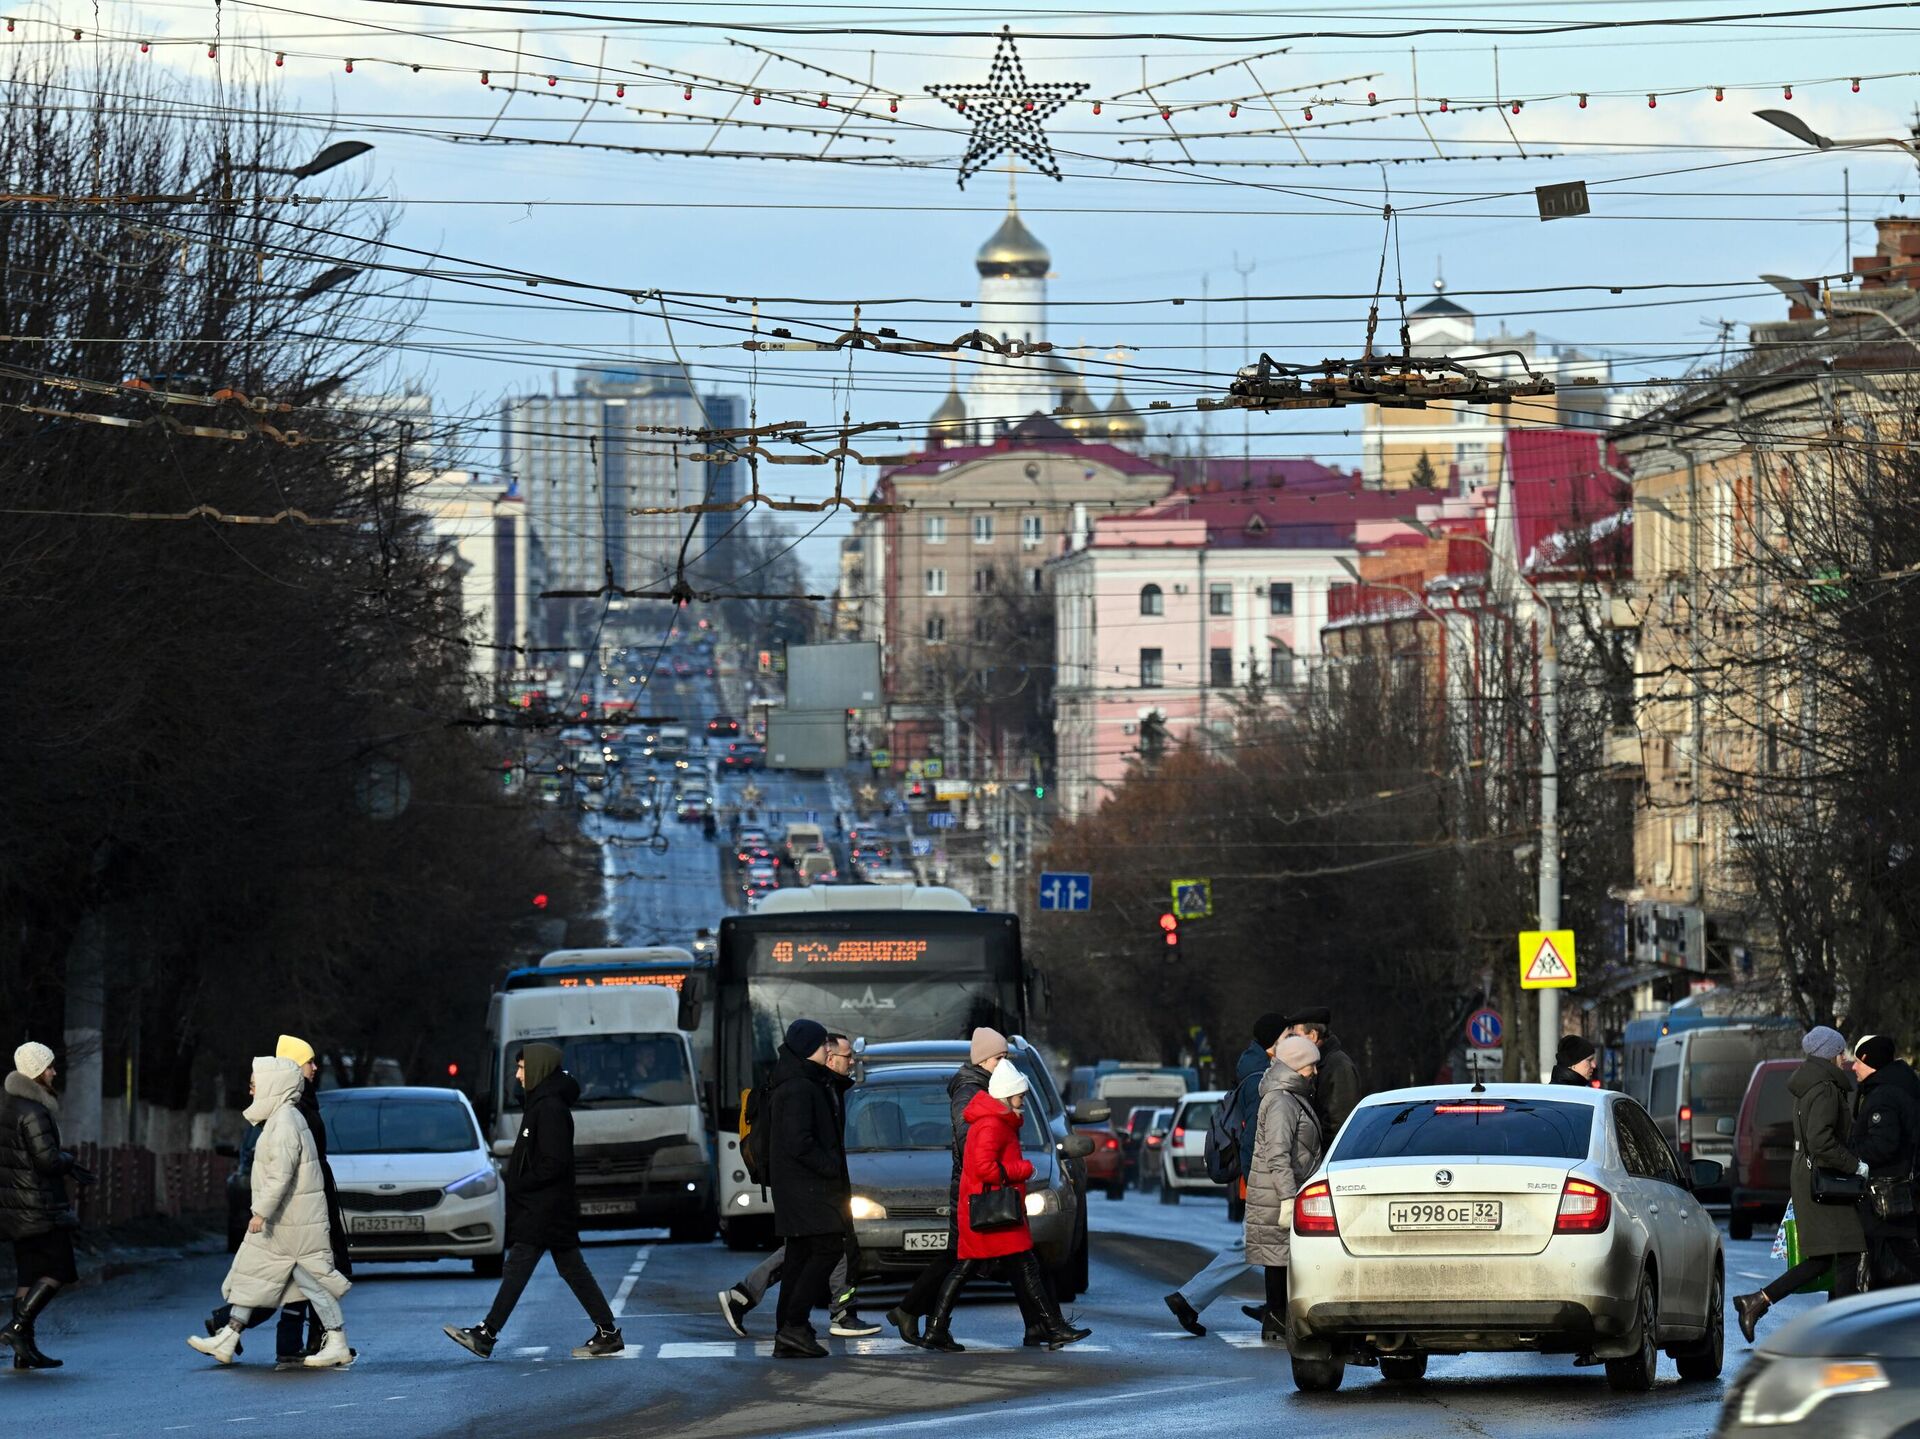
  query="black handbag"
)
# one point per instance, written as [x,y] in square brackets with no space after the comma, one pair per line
[1830,1186]
[1891,1199]
[996,1207]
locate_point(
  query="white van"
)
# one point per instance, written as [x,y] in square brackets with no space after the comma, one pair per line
[644,1159]
[1699,1078]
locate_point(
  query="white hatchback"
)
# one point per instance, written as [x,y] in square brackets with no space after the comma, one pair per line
[1183,1157]
[415,1178]
[1549,1218]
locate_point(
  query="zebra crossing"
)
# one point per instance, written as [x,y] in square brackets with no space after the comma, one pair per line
[671,1350]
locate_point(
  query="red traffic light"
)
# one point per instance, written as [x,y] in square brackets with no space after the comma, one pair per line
[1170,925]
[540,901]
[453,1071]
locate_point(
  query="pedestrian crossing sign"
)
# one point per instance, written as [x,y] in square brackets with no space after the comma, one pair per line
[1546,959]
[1193,898]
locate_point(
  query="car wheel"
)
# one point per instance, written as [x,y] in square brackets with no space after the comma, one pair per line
[1318,1376]
[1635,1373]
[1168,1194]
[1739,1225]
[1403,1368]
[1117,1190]
[488,1266]
[1702,1359]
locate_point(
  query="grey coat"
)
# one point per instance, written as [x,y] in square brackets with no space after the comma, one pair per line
[1820,1107]
[1287,1147]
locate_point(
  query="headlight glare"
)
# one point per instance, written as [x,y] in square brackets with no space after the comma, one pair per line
[862,1207]
[476,1184]
[1042,1201]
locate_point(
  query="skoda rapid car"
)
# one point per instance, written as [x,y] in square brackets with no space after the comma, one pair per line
[415,1178]
[1450,1220]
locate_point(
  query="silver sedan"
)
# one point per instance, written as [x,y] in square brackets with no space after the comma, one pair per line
[1452,1219]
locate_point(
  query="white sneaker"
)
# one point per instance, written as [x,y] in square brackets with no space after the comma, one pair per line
[220,1346]
[333,1352]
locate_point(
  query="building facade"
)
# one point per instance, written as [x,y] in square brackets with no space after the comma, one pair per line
[482,528]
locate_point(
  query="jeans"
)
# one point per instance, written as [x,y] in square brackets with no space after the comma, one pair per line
[1846,1276]
[840,1286]
[518,1269]
[809,1263]
[1224,1270]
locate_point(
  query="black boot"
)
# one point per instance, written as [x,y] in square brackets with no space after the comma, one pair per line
[1751,1307]
[939,1336]
[795,1342]
[19,1334]
[907,1324]
[1030,1285]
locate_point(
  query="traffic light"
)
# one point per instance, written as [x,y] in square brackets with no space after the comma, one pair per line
[1170,927]
[1039,791]
[453,1071]
[540,902]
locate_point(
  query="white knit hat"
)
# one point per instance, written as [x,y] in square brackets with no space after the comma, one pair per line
[1006,1081]
[33,1059]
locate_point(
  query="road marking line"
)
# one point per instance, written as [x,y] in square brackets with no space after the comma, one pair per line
[532,1351]
[631,1351]
[625,1291]
[1242,1341]
[974,1414]
[703,1349]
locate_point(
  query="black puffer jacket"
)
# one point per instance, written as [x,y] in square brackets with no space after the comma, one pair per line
[542,1207]
[811,1190]
[968,1080]
[1886,1133]
[1336,1087]
[33,1196]
[309,1106]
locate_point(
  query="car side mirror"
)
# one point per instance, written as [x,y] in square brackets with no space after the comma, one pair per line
[1725,1126]
[502,1148]
[1076,1146]
[1092,1113]
[1705,1173]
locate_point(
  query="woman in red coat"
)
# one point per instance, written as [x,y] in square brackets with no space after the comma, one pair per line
[992,1160]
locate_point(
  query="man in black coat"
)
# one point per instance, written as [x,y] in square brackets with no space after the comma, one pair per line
[1336,1087]
[1886,1134]
[1574,1062]
[543,1214]
[812,1194]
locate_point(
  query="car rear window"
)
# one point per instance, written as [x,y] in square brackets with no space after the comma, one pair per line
[1199,1114]
[1773,1106]
[1478,1125]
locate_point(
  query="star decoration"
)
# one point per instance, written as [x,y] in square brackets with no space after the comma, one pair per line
[870,792]
[1007,112]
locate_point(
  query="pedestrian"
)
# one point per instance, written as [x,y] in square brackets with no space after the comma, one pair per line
[34,1214]
[300,1332]
[986,1052]
[1288,1145]
[742,1297]
[993,1163]
[1574,1062]
[1227,1267]
[812,1195]
[1338,1089]
[1830,1234]
[287,1250]
[543,1212]
[1886,1137]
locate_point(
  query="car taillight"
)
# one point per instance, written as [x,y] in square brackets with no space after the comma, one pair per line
[1584,1208]
[1179,1134]
[1686,1130]
[1113,1141]
[1313,1210]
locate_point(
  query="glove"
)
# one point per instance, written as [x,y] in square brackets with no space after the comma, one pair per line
[1862,1169]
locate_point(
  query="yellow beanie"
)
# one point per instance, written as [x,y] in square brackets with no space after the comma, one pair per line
[296,1049]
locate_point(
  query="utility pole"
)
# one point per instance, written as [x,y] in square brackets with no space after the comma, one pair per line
[1549,898]
[1206,369]
[1246,352]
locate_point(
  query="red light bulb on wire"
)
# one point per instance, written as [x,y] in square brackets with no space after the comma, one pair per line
[688,94]
[1233,112]
[483,76]
[144,47]
[1096,107]
[756,99]
[1443,107]
[893,107]
[619,92]
[1786,92]
[1166,114]
[1309,114]
[1719,92]
[213,52]
[1856,87]
[1653,102]
[349,67]
[1583,102]
[552,80]
[1026,104]
[1516,107]
[823,102]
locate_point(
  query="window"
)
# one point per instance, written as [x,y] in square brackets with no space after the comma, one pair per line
[397,1126]
[1151,668]
[1035,581]
[936,582]
[1279,598]
[1279,666]
[1219,599]
[979,627]
[983,529]
[1641,1144]
[1457,1129]
[936,529]
[1220,668]
[982,581]
[936,629]
[1152,602]
[1030,530]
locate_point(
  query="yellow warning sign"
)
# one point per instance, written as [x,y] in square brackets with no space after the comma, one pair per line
[1546,959]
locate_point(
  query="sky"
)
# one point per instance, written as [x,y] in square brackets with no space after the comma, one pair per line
[1690,193]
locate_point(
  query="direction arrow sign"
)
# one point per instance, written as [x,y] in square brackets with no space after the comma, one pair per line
[1193,898]
[940,819]
[1066,891]
[1546,959]
[1483,1029]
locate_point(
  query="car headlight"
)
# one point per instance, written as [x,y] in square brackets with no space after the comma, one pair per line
[862,1207]
[476,1184]
[1042,1201]
[1785,1391]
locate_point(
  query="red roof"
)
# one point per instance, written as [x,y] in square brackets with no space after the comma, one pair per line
[936,462]
[1224,472]
[1560,490]
[1319,516]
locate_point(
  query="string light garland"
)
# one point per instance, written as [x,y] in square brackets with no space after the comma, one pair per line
[1013,111]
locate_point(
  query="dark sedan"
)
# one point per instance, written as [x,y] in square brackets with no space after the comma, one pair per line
[1850,1368]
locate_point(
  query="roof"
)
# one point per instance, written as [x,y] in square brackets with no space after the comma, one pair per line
[1223,472]
[1305,517]
[1441,305]
[1012,250]
[1058,442]
[1560,494]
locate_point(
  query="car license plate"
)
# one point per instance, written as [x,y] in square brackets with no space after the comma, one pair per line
[594,1207]
[927,1239]
[1444,1214]
[389,1224]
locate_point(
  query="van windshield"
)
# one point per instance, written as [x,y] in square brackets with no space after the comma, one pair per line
[617,1071]
[1716,1086]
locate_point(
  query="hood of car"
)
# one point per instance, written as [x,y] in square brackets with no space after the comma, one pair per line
[905,1172]
[1874,1326]
[404,1171]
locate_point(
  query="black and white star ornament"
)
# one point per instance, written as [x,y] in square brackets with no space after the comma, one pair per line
[1007,112]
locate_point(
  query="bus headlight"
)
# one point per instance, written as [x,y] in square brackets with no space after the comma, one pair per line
[1042,1201]
[862,1207]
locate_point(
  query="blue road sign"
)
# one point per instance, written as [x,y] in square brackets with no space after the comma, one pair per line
[940,819]
[1484,1029]
[923,847]
[813,816]
[1066,891]
[1193,898]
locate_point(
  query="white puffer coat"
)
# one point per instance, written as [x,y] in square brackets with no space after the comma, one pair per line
[1287,1147]
[289,1194]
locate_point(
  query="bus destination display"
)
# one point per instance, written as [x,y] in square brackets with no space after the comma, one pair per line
[595,979]
[782,954]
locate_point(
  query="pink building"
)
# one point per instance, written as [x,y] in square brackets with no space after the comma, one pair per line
[1165,616]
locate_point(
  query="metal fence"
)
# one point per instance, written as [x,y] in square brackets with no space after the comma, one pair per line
[134,1183]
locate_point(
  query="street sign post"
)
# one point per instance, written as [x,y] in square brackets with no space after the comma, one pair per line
[1061,891]
[1546,959]
[1483,1029]
[1193,898]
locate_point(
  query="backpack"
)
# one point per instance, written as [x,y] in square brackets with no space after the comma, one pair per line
[1223,1140]
[756,1135]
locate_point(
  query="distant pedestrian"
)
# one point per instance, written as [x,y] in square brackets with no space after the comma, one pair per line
[1886,1138]
[1830,1234]
[34,1214]
[1227,1267]
[993,1164]
[986,1052]
[543,1211]
[1337,1091]
[812,1195]
[1575,1062]
[287,1250]
[1288,1145]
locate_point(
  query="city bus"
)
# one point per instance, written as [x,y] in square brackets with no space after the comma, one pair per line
[636,1037]
[874,962]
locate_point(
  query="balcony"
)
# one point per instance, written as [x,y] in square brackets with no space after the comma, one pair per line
[1625,756]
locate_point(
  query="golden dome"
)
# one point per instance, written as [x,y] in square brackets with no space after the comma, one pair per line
[950,420]
[1012,250]
[1122,423]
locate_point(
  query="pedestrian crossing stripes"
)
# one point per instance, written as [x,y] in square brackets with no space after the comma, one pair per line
[763,1349]
[1238,1338]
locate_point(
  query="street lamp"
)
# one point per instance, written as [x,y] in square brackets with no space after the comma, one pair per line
[330,158]
[1803,132]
